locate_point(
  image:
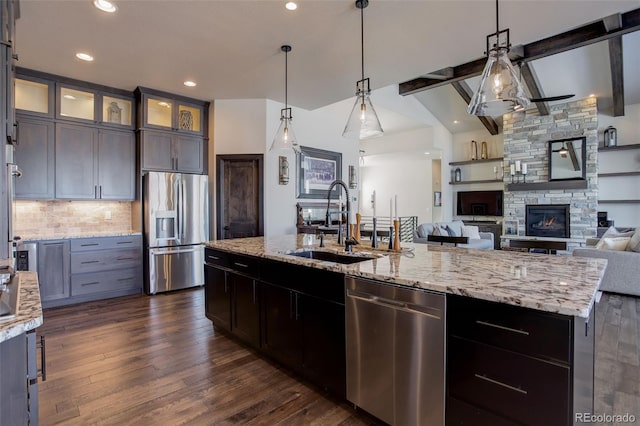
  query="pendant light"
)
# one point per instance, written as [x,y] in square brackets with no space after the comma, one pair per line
[500,90]
[285,139]
[363,121]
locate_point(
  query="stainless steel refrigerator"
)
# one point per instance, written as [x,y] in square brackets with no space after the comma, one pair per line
[176,223]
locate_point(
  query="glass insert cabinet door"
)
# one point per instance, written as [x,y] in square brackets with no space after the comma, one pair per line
[189,118]
[77,104]
[32,96]
[159,112]
[116,110]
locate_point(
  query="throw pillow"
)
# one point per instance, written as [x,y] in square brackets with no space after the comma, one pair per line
[634,243]
[471,231]
[612,232]
[614,243]
[450,232]
[437,231]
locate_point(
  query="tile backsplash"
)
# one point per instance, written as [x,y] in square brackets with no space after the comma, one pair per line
[49,218]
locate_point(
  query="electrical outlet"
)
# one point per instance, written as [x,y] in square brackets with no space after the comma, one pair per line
[107,215]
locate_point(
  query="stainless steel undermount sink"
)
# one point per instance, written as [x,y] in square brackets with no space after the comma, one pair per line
[9,300]
[331,257]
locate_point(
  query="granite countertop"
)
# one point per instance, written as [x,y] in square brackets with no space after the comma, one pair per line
[29,311]
[69,235]
[563,284]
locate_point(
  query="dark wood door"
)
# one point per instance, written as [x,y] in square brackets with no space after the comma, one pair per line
[240,195]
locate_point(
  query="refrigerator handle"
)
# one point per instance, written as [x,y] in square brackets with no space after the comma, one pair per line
[176,223]
[183,208]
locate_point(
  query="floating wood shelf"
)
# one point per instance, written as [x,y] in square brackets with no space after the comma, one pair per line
[619,147]
[488,160]
[618,201]
[545,186]
[619,174]
[477,181]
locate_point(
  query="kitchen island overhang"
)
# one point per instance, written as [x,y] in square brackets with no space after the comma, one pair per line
[514,339]
[565,285]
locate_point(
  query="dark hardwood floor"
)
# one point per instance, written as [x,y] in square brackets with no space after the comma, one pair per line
[158,361]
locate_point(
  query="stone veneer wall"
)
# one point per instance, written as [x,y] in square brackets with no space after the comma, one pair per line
[71,218]
[526,137]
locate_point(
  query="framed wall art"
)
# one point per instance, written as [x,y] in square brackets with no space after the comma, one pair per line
[317,169]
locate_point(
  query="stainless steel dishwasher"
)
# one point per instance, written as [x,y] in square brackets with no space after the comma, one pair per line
[395,352]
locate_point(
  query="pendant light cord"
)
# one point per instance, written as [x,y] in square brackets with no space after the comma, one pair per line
[362,39]
[286,78]
[497,26]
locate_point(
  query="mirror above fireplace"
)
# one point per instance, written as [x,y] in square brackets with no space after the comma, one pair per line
[567,159]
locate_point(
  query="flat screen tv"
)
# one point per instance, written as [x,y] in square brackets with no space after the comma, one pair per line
[480,203]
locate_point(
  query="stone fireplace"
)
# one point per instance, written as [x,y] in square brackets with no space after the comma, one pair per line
[526,138]
[547,220]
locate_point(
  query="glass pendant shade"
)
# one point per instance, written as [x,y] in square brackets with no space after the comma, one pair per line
[500,90]
[363,121]
[285,138]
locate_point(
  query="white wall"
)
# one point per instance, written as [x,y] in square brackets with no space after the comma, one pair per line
[396,164]
[623,187]
[461,151]
[248,126]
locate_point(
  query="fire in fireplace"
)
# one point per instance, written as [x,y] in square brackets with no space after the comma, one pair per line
[546,220]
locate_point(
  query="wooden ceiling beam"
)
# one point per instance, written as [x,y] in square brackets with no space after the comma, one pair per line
[613,23]
[578,37]
[531,80]
[464,90]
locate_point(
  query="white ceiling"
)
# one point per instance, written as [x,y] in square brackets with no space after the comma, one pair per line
[232,48]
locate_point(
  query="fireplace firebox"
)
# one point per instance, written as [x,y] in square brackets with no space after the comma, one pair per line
[547,220]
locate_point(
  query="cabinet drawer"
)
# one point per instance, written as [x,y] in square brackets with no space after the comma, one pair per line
[459,413]
[103,243]
[522,330]
[245,265]
[105,260]
[216,257]
[514,386]
[106,281]
[326,285]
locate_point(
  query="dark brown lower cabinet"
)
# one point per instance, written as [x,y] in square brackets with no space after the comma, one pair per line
[281,328]
[306,334]
[508,365]
[291,313]
[231,299]
[245,313]
[217,297]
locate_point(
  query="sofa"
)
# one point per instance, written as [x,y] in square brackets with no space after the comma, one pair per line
[623,268]
[456,228]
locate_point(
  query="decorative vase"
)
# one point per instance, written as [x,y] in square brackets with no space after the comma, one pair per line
[114,113]
[474,150]
[458,175]
[610,136]
[186,120]
[484,151]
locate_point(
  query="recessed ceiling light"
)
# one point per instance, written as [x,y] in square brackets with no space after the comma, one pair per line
[84,56]
[455,121]
[70,97]
[190,83]
[593,95]
[164,104]
[291,5]
[427,153]
[105,6]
